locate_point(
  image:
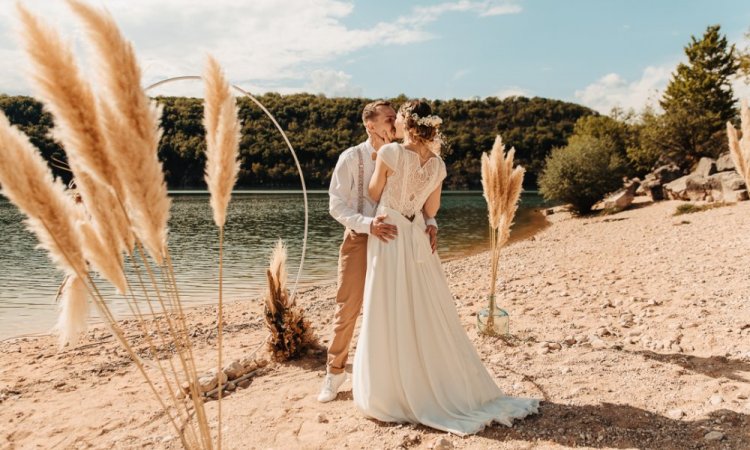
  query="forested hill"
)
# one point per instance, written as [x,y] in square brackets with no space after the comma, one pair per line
[320,128]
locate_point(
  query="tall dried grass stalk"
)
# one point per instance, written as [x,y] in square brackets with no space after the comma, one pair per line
[291,334]
[28,183]
[222,167]
[104,139]
[131,126]
[739,149]
[502,185]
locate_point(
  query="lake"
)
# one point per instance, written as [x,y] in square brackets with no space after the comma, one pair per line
[255,220]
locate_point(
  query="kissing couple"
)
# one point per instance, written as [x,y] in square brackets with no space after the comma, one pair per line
[413,361]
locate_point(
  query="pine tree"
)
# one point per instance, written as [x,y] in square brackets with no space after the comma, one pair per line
[699,98]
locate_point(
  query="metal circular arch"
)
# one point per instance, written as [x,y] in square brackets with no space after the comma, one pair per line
[289,145]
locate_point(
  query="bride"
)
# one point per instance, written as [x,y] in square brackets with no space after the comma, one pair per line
[414,362]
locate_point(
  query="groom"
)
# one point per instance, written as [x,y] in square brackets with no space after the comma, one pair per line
[350,204]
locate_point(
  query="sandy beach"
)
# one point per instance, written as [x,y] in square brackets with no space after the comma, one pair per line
[634,328]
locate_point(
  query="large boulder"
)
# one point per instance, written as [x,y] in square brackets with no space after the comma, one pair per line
[653,183]
[622,198]
[677,189]
[706,167]
[724,163]
[723,186]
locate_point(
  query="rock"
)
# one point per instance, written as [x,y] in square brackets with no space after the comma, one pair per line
[724,163]
[677,189]
[322,418]
[621,199]
[211,381]
[230,386]
[695,187]
[598,344]
[248,364]
[261,362]
[553,346]
[234,370]
[653,183]
[736,196]
[676,414]
[603,331]
[732,181]
[442,443]
[706,167]
[716,399]
[569,340]
[244,384]
[714,436]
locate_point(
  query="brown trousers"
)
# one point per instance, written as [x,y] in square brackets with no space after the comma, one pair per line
[351,289]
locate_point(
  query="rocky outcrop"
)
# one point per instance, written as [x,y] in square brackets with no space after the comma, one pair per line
[653,183]
[712,180]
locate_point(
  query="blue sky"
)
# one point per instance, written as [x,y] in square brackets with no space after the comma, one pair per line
[599,53]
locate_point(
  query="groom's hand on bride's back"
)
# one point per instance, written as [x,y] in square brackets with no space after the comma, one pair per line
[381,230]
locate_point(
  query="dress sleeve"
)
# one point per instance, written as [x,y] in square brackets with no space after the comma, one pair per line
[389,155]
[442,173]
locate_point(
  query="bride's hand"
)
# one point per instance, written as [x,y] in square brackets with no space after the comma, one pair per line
[432,232]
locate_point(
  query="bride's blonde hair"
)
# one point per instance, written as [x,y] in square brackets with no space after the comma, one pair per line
[421,126]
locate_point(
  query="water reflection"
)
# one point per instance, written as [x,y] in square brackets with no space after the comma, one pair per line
[255,220]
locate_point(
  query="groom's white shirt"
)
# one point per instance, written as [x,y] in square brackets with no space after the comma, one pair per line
[343,191]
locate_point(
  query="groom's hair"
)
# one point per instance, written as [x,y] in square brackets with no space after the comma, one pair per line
[371,109]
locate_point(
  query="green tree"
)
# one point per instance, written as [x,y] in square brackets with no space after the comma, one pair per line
[619,129]
[321,128]
[744,61]
[582,172]
[699,100]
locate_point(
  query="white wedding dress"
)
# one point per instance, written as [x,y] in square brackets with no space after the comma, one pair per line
[414,361]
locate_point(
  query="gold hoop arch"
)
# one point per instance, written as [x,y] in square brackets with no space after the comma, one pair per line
[288,144]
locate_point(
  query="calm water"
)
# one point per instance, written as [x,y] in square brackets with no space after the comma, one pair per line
[28,282]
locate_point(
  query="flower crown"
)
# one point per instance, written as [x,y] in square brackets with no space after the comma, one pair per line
[430,121]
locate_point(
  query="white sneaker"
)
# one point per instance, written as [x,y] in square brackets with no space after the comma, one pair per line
[331,385]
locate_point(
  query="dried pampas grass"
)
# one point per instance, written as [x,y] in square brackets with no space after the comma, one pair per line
[74,311]
[131,126]
[290,332]
[222,167]
[222,140]
[28,183]
[60,85]
[739,149]
[502,185]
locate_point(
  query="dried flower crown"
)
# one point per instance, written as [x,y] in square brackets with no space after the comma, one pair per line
[430,121]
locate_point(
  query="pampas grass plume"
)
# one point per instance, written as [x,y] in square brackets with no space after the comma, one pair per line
[50,212]
[74,310]
[131,126]
[222,140]
[739,149]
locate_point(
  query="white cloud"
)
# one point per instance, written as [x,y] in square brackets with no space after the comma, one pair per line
[513,91]
[424,14]
[268,44]
[332,83]
[612,90]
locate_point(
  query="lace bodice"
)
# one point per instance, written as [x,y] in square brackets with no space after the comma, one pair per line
[408,187]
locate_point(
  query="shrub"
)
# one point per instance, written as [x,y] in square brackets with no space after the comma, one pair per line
[582,172]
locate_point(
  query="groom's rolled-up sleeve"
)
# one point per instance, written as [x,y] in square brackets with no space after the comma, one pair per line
[340,191]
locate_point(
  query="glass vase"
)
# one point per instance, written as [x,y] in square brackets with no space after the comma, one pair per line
[493,321]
